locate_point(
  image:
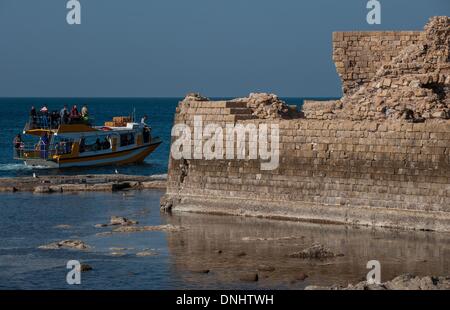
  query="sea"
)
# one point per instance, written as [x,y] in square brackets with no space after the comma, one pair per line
[206,251]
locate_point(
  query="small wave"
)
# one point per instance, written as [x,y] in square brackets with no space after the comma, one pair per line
[16,167]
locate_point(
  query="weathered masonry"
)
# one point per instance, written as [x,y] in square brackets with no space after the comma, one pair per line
[392,172]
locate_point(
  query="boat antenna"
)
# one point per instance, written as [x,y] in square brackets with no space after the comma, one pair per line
[134,115]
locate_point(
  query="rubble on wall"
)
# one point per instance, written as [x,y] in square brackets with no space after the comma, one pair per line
[190,97]
[265,106]
[256,105]
[413,86]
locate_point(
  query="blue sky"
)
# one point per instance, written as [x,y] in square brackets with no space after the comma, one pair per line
[165,48]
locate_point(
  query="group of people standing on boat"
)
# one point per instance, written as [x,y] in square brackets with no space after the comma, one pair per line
[44,118]
[42,146]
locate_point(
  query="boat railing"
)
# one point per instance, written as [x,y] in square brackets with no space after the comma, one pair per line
[49,122]
[40,150]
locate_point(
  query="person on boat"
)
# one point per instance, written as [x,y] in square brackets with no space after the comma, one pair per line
[44,116]
[44,109]
[144,119]
[146,134]
[18,144]
[84,111]
[59,147]
[33,117]
[85,114]
[43,143]
[82,145]
[74,114]
[97,145]
[54,119]
[64,115]
[67,147]
[106,144]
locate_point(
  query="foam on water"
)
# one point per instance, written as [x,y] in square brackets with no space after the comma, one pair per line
[16,167]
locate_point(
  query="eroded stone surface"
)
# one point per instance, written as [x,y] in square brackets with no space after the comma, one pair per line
[414,85]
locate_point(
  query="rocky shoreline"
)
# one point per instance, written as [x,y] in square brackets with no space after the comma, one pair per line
[81,183]
[402,282]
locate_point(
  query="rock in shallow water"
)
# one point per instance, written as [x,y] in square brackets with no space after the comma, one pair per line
[63,226]
[119,220]
[301,276]
[66,244]
[266,268]
[316,251]
[85,267]
[249,277]
[146,253]
[402,282]
[200,270]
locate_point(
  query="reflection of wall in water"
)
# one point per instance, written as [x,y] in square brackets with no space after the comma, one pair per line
[398,251]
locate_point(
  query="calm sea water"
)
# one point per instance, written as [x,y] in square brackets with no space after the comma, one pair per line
[159,110]
[28,220]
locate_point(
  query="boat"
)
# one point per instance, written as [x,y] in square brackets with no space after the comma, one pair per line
[78,143]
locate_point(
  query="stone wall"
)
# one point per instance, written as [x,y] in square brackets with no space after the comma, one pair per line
[358,55]
[384,174]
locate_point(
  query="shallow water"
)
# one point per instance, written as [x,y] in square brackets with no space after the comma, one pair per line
[29,221]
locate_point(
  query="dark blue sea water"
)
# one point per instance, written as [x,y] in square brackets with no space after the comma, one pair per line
[160,111]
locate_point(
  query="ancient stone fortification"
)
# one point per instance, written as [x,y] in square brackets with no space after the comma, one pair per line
[336,163]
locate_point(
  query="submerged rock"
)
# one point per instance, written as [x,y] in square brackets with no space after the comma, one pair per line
[85,267]
[63,226]
[66,244]
[249,277]
[402,282]
[241,254]
[316,251]
[301,276]
[100,225]
[146,253]
[266,268]
[200,270]
[119,220]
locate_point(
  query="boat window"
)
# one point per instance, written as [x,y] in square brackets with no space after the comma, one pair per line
[95,143]
[126,139]
[62,145]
